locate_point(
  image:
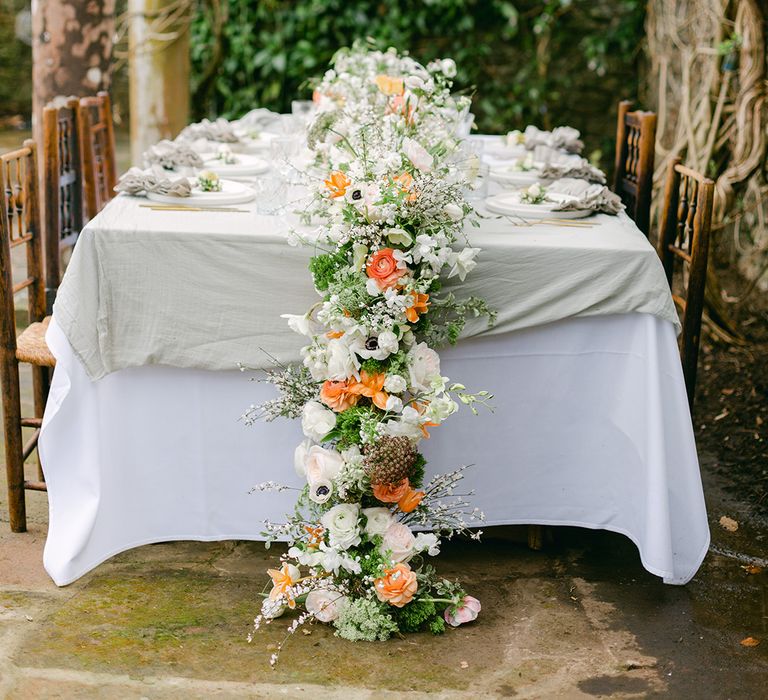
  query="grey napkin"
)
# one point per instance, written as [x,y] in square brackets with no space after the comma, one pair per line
[559,165]
[565,137]
[221,130]
[592,196]
[136,181]
[257,119]
[170,155]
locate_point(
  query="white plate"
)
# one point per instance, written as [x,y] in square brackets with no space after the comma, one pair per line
[498,150]
[509,203]
[517,178]
[231,193]
[247,164]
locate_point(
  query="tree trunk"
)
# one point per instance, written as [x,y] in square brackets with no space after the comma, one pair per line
[71,51]
[159,71]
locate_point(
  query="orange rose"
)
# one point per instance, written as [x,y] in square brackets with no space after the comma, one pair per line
[339,396]
[398,586]
[372,386]
[389,85]
[411,500]
[418,306]
[384,268]
[391,493]
[337,184]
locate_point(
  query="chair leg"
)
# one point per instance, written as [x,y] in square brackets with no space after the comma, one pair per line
[14,459]
[41,383]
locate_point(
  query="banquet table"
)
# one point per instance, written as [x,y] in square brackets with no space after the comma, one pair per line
[141,440]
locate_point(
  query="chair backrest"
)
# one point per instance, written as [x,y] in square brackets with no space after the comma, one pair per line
[62,187]
[686,221]
[633,174]
[19,226]
[97,138]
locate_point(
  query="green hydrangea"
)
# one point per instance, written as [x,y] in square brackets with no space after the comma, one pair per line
[415,615]
[324,269]
[364,620]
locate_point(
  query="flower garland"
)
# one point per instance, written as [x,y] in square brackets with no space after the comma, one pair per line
[370,388]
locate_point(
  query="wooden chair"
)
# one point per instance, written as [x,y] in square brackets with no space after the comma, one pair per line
[97,138]
[62,189]
[686,221]
[633,174]
[20,226]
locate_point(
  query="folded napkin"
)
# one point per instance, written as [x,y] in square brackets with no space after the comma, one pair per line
[592,196]
[564,137]
[558,165]
[136,181]
[170,155]
[221,130]
[257,119]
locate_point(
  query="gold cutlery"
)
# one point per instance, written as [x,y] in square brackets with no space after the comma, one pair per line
[181,207]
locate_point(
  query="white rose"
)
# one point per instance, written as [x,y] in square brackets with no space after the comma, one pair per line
[317,421]
[377,520]
[323,464]
[453,211]
[341,524]
[388,342]
[325,604]
[399,541]
[300,457]
[427,542]
[423,365]
[395,384]
[342,362]
[418,155]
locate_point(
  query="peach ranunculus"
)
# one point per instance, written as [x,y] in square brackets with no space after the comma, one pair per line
[411,500]
[418,306]
[384,268]
[401,105]
[339,395]
[397,586]
[337,184]
[372,386]
[282,580]
[389,85]
[405,182]
[391,493]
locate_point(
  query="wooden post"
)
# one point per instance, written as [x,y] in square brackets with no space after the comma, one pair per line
[159,71]
[71,51]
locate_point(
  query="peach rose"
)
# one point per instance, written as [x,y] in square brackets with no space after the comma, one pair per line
[339,395]
[411,500]
[398,586]
[391,493]
[384,268]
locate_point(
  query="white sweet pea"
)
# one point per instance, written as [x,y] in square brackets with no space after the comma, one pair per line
[306,558]
[399,236]
[427,542]
[463,262]
[372,287]
[440,408]
[359,256]
[395,384]
[394,404]
[334,560]
[341,523]
[377,520]
[317,420]
[454,211]
[303,325]
[414,82]
[418,155]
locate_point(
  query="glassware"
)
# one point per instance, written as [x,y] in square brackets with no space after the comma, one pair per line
[477,189]
[271,194]
[283,151]
[303,109]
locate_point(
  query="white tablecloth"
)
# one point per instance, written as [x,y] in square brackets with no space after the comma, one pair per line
[591,428]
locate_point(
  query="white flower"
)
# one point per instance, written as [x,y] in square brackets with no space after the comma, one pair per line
[454,211]
[372,287]
[377,520]
[395,384]
[271,609]
[399,541]
[399,236]
[342,362]
[534,190]
[322,464]
[427,542]
[448,67]
[320,490]
[325,604]
[463,262]
[306,558]
[302,325]
[394,404]
[333,561]
[317,420]
[423,365]
[388,342]
[341,522]
[414,82]
[418,155]
[300,457]
[359,256]
[407,425]
[440,408]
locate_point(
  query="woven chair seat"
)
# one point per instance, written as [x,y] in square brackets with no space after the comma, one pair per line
[31,346]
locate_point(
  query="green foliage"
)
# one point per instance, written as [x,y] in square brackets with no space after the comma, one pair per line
[415,616]
[416,478]
[348,426]
[324,268]
[365,620]
[529,61]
